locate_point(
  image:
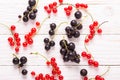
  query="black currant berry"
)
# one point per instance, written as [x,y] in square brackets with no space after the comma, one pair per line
[76,34]
[32,15]
[67,29]
[83,72]
[15,60]
[78,14]
[69,35]
[23,60]
[29,8]
[52,43]
[63,51]
[52,26]
[25,19]
[73,23]
[63,43]
[47,47]
[35,10]
[24,71]
[51,32]
[32,2]
[66,58]
[77,60]
[71,46]
[46,40]
[21,65]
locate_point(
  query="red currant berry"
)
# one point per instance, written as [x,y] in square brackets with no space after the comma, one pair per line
[51,6]
[41,76]
[12,28]
[37,23]
[102,78]
[47,76]
[18,39]
[54,10]
[99,31]
[53,59]
[68,13]
[46,7]
[70,8]
[91,27]
[88,56]
[12,43]
[58,72]
[48,11]
[10,39]
[90,36]
[52,78]
[17,49]
[65,9]
[25,44]
[90,62]
[77,5]
[95,23]
[18,43]
[85,6]
[33,73]
[92,32]
[97,77]
[33,30]
[96,64]
[61,77]
[83,54]
[30,41]
[48,63]
[85,78]
[53,72]
[60,1]
[86,40]
[16,35]
[54,4]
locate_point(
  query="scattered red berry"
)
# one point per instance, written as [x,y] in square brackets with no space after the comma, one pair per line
[99,31]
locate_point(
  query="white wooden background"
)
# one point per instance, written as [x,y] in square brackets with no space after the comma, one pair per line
[105,48]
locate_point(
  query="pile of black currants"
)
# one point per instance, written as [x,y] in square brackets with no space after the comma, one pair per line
[31,11]
[48,44]
[68,51]
[20,62]
[73,30]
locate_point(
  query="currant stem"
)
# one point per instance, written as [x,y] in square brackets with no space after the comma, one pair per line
[15,55]
[58,28]
[65,44]
[89,15]
[101,24]
[36,53]
[6,26]
[106,71]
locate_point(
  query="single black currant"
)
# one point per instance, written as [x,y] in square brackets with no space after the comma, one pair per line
[25,13]
[32,2]
[76,34]
[71,46]
[77,60]
[15,61]
[29,8]
[35,10]
[23,59]
[51,32]
[83,72]
[52,43]
[32,15]
[47,47]
[66,58]
[52,26]
[69,35]
[67,29]
[46,40]
[25,19]
[73,23]
[24,72]
[78,14]
[21,65]
[62,43]
[63,51]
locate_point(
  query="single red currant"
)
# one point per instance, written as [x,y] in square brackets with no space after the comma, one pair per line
[13,27]
[77,5]
[25,44]
[33,73]
[83,54]
[96,64]
[99,31]
[37,23]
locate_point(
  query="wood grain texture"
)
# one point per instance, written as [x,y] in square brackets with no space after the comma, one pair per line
[105,48]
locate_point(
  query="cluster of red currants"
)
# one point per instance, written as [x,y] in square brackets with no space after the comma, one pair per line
[68,10]
[91,62]
[81,5]
[55,74]
[93,29]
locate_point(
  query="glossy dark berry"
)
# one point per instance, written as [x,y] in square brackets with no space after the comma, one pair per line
[71,46]
[66,58]
[25,13]
[29,8]
[73,23]
[23,60]
[52,43]
[15,60]
[32,15]
[32,2]
[46,40]
[69,36]
[83,72]
[79,27]
[47,47]
[51,32]
[67,29]
[24,71]
[63,51]
[76,34]
[35,10]
[71,56]
[63,43]
[25,19]
[77,60]
[78,14]
[19,16]
[52,26]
